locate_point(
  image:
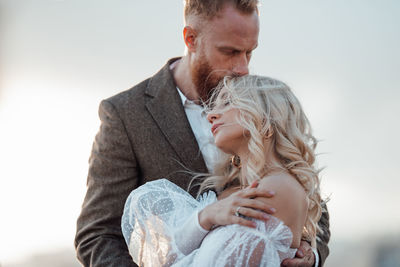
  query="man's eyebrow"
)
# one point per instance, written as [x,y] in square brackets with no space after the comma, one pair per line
[235,48]
[228,48]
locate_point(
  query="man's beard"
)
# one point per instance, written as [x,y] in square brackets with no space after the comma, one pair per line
[205,78]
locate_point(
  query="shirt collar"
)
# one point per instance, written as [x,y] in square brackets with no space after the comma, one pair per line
[187,102]
[183,97]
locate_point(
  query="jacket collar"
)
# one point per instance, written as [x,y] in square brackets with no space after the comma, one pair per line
[165,106]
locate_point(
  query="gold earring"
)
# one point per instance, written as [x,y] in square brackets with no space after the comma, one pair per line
[235,160]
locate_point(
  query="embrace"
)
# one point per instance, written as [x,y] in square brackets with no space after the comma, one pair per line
[203,164]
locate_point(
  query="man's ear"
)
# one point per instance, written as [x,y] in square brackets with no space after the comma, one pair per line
[190,38]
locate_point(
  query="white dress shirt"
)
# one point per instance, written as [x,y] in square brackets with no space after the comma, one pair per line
[202,130]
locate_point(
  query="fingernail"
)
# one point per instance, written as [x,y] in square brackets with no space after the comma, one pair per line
[254,184]
[272,209]
[300,253]
[265,216]
[271,192]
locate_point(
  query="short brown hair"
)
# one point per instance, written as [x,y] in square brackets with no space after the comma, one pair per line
[209,8]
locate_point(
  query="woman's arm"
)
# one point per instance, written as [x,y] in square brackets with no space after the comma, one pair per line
[190,235]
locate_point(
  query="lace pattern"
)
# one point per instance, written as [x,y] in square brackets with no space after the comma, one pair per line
[154,212]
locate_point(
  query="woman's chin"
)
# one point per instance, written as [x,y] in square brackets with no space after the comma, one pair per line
[225,149]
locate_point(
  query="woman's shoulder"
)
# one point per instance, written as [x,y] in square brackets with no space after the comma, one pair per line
[288,191]
[282,181]
[290,201]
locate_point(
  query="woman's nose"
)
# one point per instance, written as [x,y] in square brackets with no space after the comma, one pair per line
[212,116]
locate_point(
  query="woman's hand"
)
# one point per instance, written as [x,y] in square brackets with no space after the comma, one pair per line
[223,211]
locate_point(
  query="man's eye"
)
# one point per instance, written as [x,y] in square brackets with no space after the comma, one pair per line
[231,52]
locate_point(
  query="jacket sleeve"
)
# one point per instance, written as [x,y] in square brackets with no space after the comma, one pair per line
[323,238]
[113,174]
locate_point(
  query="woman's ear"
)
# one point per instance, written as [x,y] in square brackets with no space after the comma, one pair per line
[189,36]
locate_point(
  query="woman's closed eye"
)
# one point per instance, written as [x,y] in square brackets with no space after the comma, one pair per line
[223,104]
[226,103]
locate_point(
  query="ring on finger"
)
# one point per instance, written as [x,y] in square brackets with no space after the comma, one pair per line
[237,211]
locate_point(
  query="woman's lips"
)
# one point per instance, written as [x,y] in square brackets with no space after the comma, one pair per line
[215,127]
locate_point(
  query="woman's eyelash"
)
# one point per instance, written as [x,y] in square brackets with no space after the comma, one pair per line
[223,104]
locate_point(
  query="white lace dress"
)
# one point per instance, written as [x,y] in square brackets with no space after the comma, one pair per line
[160,226]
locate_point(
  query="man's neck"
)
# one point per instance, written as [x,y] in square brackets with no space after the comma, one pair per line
[183,78]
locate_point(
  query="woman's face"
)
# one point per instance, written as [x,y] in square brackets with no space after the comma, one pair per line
[229,135]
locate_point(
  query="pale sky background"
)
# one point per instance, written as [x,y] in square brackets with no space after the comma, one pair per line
[58,59]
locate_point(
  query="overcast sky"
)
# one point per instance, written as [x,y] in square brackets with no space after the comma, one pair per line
[58,59]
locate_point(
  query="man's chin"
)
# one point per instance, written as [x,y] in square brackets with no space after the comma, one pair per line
[205,80]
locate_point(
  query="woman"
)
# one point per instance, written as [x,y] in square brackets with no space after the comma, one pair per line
[267,142]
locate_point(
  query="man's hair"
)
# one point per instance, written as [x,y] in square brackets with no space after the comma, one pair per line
[209,8]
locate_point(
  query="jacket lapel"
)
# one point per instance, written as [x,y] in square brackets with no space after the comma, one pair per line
[165,106]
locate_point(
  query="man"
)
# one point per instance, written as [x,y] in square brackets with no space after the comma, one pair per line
[151,131]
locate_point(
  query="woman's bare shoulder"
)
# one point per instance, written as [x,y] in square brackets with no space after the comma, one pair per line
[282,181]
[290,201]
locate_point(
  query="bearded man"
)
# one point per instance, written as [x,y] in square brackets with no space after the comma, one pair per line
[155,128]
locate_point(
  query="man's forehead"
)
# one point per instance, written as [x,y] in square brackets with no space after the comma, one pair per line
[234,28]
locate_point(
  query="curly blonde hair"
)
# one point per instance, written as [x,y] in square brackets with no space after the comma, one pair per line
[267,107]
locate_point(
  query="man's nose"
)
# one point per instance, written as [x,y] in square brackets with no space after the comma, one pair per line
[212,116]
[241,67]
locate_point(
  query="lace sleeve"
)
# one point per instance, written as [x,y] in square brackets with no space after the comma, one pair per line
[159,223]
[190,235]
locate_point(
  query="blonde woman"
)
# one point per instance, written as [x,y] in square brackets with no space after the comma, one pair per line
[268,150]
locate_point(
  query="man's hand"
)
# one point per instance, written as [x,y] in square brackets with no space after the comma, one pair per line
[304,257]
[222,212]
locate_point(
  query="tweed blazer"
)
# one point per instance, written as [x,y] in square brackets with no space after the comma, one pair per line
[144,135]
